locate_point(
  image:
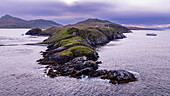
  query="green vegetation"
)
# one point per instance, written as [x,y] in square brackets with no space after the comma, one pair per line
[78,36]
[75,42]
[61,35]
[100,23]
[77,51]
[51,31]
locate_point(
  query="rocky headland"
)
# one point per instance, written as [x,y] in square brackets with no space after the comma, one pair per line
[72,52]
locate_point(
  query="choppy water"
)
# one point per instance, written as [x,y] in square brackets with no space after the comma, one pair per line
[20,75]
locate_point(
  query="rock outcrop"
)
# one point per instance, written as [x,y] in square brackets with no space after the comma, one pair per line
[34,31]
[80,66]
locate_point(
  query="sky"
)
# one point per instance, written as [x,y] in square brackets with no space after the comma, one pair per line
[132,12]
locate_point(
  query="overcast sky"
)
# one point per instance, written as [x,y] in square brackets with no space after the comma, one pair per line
[70,11]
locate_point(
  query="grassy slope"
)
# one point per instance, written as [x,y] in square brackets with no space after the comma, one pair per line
[93,34]
[73,40]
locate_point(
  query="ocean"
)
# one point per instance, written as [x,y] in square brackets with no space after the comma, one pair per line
[146,56]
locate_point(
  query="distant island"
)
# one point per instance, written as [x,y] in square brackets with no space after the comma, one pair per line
[139,28]
[8,21]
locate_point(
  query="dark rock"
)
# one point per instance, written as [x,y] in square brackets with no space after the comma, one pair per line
[78,59]
[35,31]
[98,62]
[84,71]
[54,59]
[81,66]
[76,67]
[91,63]
[119,76]
[51,73]
[88,70]
[68,71]
[99,73]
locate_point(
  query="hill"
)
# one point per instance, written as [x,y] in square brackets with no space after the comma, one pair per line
[8,21]
[100,23]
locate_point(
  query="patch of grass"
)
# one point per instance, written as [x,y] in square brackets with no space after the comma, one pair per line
[77,51]
[74,41]
[81,51]
[93,34]
[61,35]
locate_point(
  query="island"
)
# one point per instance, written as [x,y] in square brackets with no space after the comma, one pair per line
[72,50]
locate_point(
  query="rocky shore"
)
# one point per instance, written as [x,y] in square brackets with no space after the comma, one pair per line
[81,66]
[71,52]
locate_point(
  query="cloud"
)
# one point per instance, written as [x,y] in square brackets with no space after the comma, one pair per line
[51,9]
[120,11]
